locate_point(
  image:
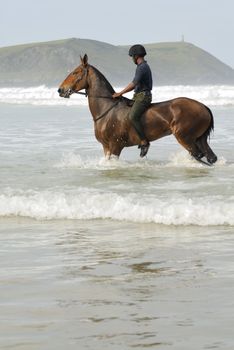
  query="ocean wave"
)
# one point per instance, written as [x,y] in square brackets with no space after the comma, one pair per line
[87,204]
[39,96]
[211,95]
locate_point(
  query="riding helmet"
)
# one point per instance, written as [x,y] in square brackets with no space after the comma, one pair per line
[137,50]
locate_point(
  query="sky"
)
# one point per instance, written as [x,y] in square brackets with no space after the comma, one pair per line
[207,24]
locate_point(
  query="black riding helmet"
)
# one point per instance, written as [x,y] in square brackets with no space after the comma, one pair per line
[137,50]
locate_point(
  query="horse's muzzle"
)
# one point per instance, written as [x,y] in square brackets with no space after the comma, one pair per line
[64,93]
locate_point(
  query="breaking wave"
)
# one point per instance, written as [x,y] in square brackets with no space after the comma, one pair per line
[212,95]
[87,204]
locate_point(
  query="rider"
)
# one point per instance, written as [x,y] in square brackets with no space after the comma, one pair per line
[142,86]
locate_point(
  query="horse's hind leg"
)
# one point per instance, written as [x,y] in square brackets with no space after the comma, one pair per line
[205,148]
[191,146]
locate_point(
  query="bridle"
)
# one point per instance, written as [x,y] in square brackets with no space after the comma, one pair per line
[71,91]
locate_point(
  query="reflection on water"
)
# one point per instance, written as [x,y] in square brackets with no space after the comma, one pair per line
[147,267]
[102,284]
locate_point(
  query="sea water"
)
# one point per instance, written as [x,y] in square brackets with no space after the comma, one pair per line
[119,254]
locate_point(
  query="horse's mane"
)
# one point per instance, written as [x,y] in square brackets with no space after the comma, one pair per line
[124,100]
[103,79]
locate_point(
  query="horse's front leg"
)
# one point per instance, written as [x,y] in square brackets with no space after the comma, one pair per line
[112,150]
[107,152]
[108,155]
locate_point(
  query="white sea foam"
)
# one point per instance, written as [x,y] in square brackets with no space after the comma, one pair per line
[84,203]
[40,95]
[211,95]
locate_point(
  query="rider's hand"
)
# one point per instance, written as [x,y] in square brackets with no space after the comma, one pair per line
[116,94]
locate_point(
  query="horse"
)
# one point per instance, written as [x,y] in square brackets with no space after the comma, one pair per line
[190,121]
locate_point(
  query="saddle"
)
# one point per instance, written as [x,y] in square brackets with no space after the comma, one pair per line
[129,102]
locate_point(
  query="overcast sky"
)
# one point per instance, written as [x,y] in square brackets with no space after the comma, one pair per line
[208,24]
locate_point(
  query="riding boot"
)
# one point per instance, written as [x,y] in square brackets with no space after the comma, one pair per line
[144,149]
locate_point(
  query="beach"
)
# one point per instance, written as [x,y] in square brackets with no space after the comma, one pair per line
[119,254]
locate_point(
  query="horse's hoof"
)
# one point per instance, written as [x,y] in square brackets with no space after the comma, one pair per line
[212,159]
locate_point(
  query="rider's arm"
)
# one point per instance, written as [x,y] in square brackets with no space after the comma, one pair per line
[128,88]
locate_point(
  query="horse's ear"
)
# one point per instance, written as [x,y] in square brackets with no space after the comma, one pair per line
[84,60]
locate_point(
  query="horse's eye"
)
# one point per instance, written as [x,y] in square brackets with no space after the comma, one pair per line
[74,73]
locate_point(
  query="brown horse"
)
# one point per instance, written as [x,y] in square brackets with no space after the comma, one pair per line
[188,120]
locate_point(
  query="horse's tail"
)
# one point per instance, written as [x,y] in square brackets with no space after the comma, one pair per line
[202,140]
[210,128]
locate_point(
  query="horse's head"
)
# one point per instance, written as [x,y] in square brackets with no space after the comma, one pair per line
[76,80]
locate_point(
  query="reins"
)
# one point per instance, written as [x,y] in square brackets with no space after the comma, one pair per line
[104,113]
[87,95]
[108,110]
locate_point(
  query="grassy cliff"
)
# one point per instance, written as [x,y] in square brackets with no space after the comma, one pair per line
[49,62]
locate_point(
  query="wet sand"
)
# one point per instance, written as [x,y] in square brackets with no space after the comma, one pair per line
[115,285]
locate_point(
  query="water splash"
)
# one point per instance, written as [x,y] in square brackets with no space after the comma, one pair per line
[180,159]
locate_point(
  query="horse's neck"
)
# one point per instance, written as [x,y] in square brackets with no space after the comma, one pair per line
[100,92]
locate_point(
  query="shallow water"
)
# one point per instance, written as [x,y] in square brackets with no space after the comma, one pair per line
[121,254]
[107,284]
